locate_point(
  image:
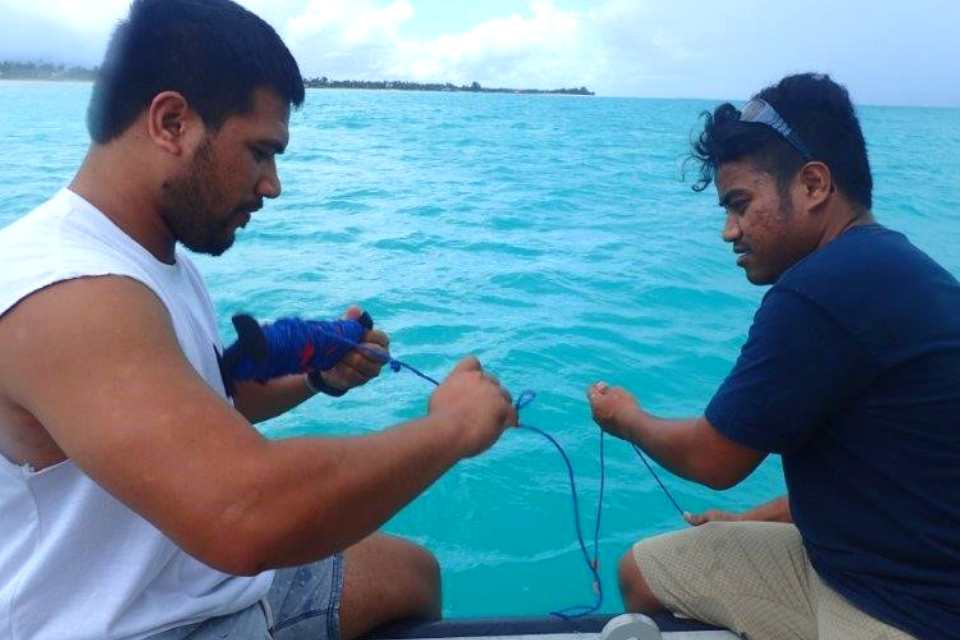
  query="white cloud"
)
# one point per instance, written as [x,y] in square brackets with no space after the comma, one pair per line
[353,39]
[514,50]
[347,39]
[90,16]
[348,23]
[618,47]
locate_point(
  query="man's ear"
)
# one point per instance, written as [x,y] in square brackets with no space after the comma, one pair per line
[170,122]
[816,184]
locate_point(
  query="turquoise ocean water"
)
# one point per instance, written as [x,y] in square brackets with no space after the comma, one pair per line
[551,236]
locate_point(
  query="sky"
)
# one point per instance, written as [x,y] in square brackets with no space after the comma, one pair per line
[896,53]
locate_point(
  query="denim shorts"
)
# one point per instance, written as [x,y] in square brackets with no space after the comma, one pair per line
[303,604]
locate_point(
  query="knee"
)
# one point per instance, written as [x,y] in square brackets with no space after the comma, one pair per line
[387,578]
[636,593]
[425,567]
[421,587]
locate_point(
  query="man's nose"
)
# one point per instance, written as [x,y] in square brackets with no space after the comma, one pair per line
[269,185]
[731,228]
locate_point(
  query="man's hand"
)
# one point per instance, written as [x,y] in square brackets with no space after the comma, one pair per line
[360,366]
[777,510]
[688,447]
[614,409]
[475,403]
[711,515]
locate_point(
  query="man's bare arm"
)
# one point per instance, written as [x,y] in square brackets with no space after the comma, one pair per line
[691,448]
[259,401]
[110,385]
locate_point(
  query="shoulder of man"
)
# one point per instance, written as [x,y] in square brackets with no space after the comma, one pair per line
[860,259]
[870,280]
[59,240]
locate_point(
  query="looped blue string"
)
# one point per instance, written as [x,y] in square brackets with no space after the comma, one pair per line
[287,342]
[526,397]
[523,400]
[592,565]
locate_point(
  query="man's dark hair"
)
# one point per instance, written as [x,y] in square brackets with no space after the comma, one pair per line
[214,52]
[818,110]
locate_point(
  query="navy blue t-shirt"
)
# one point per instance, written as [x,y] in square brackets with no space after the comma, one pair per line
[851,371]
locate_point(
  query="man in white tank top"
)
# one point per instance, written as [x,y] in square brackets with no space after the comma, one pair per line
[137,500]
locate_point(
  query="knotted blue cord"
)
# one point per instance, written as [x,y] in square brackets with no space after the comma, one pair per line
[396,365]
[385,358]
[293,346]
[287,341]
[578,611]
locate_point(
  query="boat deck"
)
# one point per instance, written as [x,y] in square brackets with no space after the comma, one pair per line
[538,628]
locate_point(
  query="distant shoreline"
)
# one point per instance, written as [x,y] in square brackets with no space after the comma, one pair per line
[45,71]
[47,80]
[402,85]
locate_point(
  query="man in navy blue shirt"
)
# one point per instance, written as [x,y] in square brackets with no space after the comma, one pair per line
[850,372]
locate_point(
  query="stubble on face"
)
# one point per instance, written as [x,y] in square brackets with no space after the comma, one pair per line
[189,206]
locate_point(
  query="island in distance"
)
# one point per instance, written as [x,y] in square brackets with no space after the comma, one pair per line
[10,70]
[403,85]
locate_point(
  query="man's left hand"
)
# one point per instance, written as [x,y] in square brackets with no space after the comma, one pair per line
[710,515]
[360,366]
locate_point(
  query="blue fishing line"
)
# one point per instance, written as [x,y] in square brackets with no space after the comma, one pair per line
[382,356]
[592,565]
[525,398]
[300,332]
[396,365]
[657,478]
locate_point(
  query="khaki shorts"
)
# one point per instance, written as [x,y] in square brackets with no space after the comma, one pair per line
[753,578]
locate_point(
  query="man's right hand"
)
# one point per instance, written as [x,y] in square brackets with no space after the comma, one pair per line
[475,404]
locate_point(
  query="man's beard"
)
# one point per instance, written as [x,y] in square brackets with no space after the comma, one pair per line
[188,206]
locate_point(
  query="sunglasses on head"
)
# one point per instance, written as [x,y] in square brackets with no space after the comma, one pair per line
[760,112]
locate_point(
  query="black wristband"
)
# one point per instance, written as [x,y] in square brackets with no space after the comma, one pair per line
[317,384]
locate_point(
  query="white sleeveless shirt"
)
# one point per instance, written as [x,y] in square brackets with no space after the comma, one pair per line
[75,563]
